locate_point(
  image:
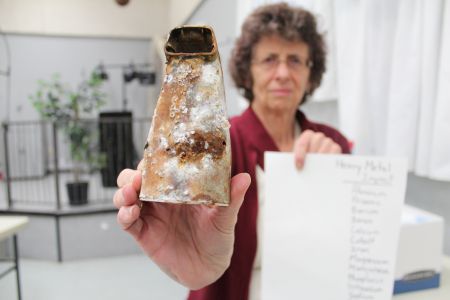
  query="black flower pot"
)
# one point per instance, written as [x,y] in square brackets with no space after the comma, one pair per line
[78,193]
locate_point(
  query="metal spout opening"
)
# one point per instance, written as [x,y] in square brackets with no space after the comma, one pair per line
[191,40]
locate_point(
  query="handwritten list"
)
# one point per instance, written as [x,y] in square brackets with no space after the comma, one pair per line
[330,230]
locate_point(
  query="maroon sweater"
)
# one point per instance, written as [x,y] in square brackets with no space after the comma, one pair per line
[249,141]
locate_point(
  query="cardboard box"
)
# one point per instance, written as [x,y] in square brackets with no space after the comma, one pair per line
[419,253]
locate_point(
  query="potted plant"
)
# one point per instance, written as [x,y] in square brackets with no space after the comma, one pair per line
[59,103]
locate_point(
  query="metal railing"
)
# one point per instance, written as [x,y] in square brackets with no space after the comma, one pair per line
[38,161]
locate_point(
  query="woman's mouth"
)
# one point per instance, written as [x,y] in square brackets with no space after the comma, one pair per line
[281,92]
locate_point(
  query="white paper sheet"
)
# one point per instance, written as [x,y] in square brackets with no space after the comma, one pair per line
[330,230]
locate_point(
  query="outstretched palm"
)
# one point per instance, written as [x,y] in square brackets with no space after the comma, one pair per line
[191,243]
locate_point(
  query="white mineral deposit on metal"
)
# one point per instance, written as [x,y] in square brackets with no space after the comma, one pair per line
[189,140]
[210,74]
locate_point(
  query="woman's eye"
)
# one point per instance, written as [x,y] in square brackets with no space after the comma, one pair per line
[295,61]
[269,60]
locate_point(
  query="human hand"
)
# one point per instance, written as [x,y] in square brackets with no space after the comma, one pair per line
[313,142]
[193,244]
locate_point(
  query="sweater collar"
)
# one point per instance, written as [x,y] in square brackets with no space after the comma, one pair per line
[260,137]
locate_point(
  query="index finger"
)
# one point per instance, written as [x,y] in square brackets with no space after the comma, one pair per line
[129,193]
[126,176]
[301,147]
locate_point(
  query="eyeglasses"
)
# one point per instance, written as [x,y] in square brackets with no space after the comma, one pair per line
[293,62]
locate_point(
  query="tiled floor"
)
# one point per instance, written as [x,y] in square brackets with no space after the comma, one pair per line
[124,278]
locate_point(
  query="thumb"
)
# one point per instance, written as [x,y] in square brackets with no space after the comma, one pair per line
[225,217]
[239,186]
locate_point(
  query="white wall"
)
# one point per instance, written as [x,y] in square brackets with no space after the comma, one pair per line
[140,18]
[180,10]
[221,16]
[35,57]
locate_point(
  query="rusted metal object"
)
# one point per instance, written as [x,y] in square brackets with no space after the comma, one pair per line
[188,156]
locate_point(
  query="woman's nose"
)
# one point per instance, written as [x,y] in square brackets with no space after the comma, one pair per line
[282,70]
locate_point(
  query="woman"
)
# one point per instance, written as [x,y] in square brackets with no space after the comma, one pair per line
[278,62]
